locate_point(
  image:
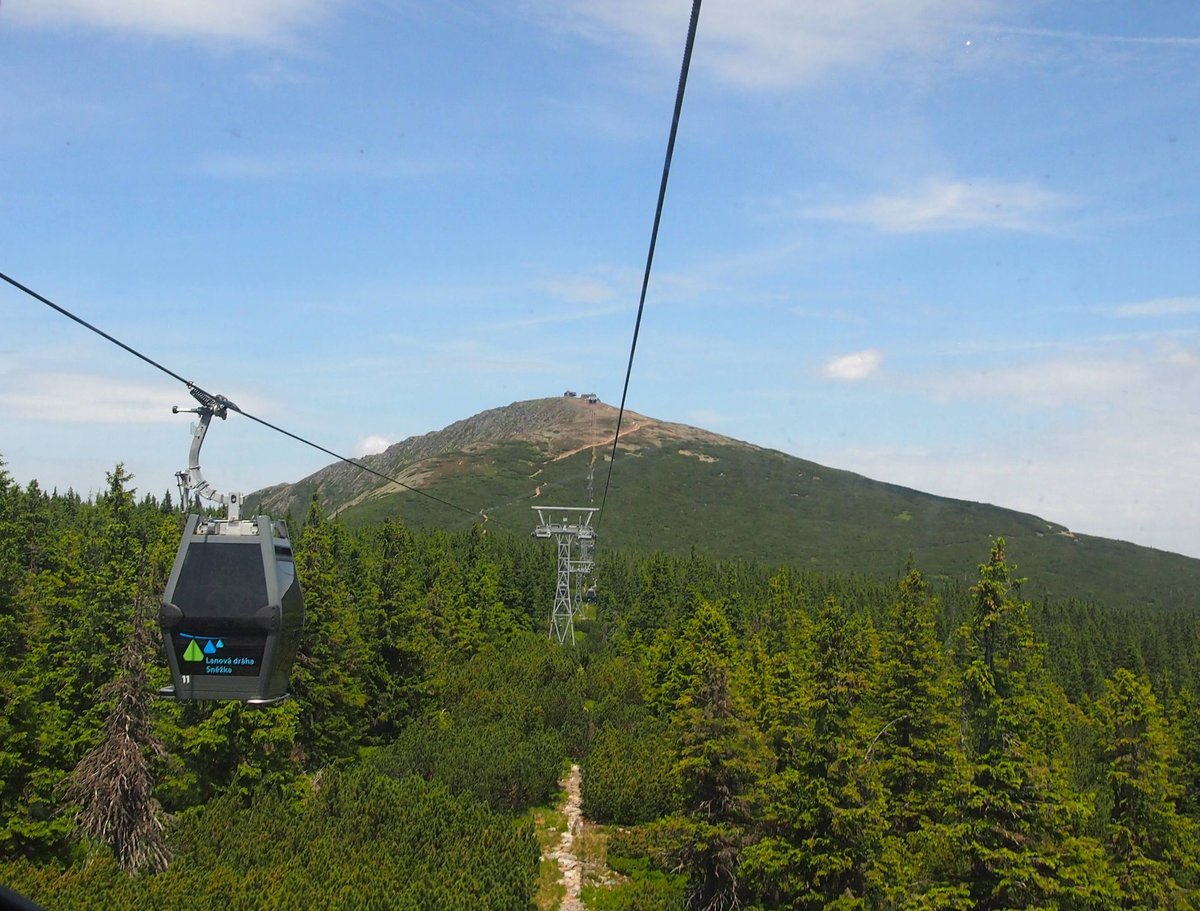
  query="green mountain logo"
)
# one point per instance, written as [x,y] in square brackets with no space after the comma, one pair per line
[194,652]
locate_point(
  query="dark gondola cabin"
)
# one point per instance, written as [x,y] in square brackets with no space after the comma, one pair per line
[232,611]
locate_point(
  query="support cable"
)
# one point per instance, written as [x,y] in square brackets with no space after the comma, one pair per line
[202,395]
[100,332]
[217,401]
[662,194]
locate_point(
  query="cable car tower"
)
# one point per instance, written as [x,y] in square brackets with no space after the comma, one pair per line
[571,529]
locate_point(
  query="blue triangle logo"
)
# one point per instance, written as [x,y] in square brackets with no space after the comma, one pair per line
[209,648]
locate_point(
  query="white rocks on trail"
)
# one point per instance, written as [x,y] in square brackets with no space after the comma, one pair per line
[570,865]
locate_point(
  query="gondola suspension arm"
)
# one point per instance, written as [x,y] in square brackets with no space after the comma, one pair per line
[192,479]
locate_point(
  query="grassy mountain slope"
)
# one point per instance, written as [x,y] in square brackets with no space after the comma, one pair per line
[676,487]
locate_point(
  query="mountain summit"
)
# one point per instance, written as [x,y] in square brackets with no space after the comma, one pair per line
[676,488]
[554,430]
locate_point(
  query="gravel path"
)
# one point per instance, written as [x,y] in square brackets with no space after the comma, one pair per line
[564,854]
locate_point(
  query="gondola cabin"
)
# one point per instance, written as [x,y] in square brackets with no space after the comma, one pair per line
[232,611]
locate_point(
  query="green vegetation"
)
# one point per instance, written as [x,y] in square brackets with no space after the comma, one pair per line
[754,737]
[678,489]
[548,827]
[363,840]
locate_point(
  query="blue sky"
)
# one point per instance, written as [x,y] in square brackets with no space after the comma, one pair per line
[950,245]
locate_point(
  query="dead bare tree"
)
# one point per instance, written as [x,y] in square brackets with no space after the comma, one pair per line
[113,785]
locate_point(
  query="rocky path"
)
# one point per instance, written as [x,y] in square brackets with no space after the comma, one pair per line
[570,865]
[625,431]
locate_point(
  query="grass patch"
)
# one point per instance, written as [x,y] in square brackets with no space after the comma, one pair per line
[591,847]
[549,825]
[550,890]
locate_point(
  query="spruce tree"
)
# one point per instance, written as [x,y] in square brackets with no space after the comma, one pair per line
[19,722]
[401,643]
[721,757]
[1153,848]
[1185,716]
[914,744]
[327,675]
[915,751]
[1020,822]
[820,814]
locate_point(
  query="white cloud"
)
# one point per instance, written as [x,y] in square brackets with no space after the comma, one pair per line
[953,205]
[79,398]
[269,21]
[1118,476]
[1115,468]
[1047,384]
[1091,380]
[774,43]
[1166,306]
[371,444]
[852,367]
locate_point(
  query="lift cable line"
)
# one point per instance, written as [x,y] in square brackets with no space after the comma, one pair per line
[100,332]
[218,403]
[579,536]
[662,194]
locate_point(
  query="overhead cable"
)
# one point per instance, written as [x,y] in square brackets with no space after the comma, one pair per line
[203,395]
[100,332]
[662,194]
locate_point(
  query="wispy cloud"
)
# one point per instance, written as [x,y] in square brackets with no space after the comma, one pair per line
[1133,434]
[579,290]
[829,314]
[1182,41]
[294,165]
[853,367]
[277,73]
[558,318]
[475,357]
[79,398]
[1165,306]
[990,347]
[774,43]
[953,205]
[1087,380]
[255,21]
[1048,384]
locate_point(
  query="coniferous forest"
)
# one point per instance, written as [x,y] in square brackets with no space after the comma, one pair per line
[752,736]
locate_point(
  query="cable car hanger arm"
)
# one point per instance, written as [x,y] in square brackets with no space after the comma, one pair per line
[192,479]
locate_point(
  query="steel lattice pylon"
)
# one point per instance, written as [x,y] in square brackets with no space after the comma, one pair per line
[575,541]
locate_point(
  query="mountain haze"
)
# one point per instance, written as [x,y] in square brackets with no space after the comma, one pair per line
[676,488]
